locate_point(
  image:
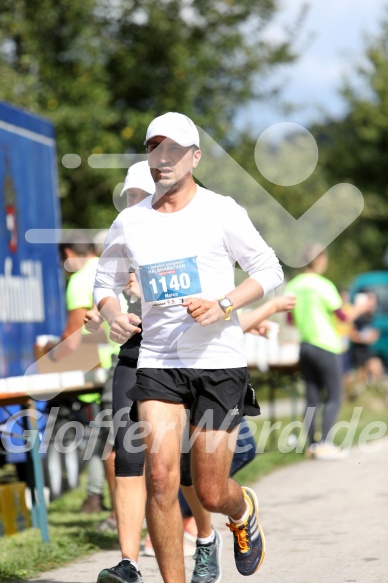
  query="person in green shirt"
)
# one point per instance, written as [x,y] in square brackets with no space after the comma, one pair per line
[317,307]
[78,253]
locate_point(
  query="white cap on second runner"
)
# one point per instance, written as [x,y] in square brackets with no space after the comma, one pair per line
[139,176]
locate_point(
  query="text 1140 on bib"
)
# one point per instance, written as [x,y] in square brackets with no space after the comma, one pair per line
[170,282]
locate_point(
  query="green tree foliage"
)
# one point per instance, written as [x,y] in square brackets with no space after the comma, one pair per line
[102,69]
[296,199]
[354,149]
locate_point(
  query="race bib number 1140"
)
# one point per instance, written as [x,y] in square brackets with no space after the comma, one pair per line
[171,281]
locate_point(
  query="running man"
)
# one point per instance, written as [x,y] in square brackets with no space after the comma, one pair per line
[183,244]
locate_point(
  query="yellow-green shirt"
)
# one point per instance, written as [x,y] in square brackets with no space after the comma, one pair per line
[79,294]
[317,299]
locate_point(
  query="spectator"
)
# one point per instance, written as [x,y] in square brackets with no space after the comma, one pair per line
[79,256]
[318,304]
[363,335]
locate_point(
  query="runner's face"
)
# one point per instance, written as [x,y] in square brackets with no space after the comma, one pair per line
[135,195]
[169,162]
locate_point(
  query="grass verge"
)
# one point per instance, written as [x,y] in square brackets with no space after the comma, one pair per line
[361,419]
[74,535]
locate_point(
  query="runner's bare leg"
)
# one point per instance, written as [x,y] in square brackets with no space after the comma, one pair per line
[164,518]
[203,518]
[130,499]
[210,468]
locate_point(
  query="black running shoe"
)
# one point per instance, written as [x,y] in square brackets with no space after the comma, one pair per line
[249,543]
[207,562]
[124,572]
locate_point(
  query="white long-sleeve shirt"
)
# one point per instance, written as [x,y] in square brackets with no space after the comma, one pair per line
[188,253]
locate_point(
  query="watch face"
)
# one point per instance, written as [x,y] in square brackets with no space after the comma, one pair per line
[225,303]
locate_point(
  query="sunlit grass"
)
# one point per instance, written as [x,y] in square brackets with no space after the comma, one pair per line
[74,535]
[360,420]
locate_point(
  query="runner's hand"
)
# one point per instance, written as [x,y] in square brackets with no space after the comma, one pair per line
[204,311]
[261,329]
[123,327]
[132,287]
[285,302]
[93,320]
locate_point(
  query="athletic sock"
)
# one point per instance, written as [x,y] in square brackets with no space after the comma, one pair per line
[244,516]
[207,540]
[131,561]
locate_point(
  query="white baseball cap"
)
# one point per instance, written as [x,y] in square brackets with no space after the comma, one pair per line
[139,176]
[176,126]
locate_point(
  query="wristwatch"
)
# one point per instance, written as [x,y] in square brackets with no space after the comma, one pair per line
[226,306]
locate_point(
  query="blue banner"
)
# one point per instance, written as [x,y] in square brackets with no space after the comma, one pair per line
[31,277]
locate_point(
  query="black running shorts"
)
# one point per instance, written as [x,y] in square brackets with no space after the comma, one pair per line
[215,398]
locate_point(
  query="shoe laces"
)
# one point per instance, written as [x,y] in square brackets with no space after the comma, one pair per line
[201,557]
[123,566]
[241,535]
